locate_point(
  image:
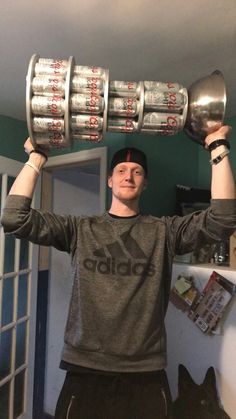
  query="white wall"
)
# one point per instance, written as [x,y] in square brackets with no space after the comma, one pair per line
[189,346]
[76,195]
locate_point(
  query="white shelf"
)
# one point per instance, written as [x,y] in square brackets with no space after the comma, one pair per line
[202,271]
[211,266]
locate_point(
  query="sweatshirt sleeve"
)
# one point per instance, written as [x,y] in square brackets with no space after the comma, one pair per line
[216,223]
[43,228]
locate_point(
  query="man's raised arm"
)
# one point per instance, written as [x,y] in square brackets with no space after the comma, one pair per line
[27,178]
[222,181]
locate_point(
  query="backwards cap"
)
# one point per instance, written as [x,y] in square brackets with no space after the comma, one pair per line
[129,154]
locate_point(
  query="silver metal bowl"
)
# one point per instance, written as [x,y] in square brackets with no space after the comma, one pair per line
[206,106]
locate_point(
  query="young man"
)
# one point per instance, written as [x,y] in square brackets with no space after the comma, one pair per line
[115,341]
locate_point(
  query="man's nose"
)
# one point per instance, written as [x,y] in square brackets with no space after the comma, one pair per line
[129,176]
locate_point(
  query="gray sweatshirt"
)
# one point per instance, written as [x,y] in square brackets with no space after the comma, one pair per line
[121,270]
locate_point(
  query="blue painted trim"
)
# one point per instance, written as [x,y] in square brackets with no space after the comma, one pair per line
[40,344]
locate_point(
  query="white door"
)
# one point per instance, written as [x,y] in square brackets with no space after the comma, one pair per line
[18,289]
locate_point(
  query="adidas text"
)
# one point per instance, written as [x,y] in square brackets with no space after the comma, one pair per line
[109,266]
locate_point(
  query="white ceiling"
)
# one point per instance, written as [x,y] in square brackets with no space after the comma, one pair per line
[162,40]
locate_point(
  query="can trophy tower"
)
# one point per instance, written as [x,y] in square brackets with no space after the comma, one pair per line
[67,102]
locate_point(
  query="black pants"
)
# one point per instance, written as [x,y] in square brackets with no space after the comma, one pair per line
[114,396]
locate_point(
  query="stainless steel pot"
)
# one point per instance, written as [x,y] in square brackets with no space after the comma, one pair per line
[206,106]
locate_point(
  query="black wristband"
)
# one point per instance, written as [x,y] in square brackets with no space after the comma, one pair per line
[218,143]
[39,152]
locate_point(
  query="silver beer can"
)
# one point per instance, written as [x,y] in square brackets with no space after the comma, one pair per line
[163,122]
[43,124]
[87,84]
[48,105]
[122,125]
[54,68]
[124,88]
[48,84]
[162,86]
[52,139]
[86,122]
[82,70]
[95,137]
[86,103]
[50,61]
[164,101]
[128,106]
[157,132]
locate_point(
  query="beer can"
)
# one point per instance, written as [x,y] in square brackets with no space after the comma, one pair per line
[86,103]
[86,122]
[48,105]
[165,132]
[82,70]
[49,61]
[128,106]
[48,84]
[95,137]
[122,125]
[53,139]
[124,88]
[164,122]
[55,68]
[162,86]
[164,101]
[87,84]
[42,124]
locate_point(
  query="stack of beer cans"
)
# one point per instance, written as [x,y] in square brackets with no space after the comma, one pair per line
[123,106]
[87,103]
[67,102]
[165,108]
[48,101]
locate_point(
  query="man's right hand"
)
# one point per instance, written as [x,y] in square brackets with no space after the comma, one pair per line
[37,154]
[28,146]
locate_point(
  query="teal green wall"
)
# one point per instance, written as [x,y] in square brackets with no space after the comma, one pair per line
[204,168]
[12,136]
[171,160]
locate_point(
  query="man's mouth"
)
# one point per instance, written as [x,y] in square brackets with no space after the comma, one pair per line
[128,187]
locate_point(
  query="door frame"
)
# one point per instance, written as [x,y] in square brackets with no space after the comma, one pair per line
[57,162]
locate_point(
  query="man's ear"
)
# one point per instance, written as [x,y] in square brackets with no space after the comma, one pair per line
[109,181]
[145,184]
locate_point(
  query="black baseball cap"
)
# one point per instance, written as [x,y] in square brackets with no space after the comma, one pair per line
[129,154]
